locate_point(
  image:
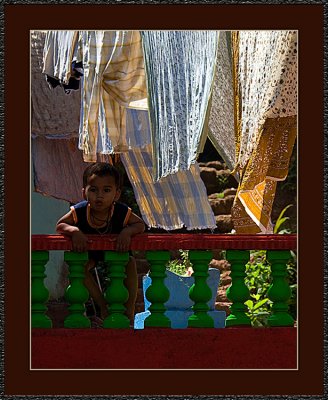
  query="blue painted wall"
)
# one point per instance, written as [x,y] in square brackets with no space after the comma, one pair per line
[45,211]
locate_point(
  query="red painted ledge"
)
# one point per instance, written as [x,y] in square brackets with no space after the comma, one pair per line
[158,348]
[167,241]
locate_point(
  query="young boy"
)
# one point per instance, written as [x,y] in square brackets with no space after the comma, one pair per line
[100,213]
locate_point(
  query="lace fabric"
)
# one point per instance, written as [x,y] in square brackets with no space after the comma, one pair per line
[179,69]
[267,83]
[266,108]
[221,117]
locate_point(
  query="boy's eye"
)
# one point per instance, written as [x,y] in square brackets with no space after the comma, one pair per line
[92,189]
[107,190]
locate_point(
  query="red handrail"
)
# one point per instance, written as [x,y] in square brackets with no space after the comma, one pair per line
[172,241]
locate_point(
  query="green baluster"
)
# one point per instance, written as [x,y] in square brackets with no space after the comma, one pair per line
[39,292]
[238,292]
[76,293]
[200,292]
[157,293]
[279,292]
[116,293]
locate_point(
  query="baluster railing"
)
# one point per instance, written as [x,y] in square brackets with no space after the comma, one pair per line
[237,253]
[76,293]
[39,292]
[157,293]
[279,292]
[238,292]
[200,292]
[116,293]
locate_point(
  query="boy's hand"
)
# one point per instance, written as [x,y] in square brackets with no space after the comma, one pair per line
[79,242]
[123,240]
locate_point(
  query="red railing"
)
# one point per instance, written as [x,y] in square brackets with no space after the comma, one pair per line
[166,241]
[218,348]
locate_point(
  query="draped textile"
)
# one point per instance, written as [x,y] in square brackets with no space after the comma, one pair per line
[175,201]
[54,114]
[266,108]
[113,79]
[58,168]
[221,116]
[179,69]
[55,118]
[58,54]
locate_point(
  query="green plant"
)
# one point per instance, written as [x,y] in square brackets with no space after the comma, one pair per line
[258,280]
[258,311]
[222,182]
[181,264]
[292,279]
[281,221]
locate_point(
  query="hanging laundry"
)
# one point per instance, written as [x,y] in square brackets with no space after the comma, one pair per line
[53,114]
[58,168]
[266,99]
[58,65]
[179,68]
[267,77]
[221,117]
[113,78]
[176,201]
[55,119]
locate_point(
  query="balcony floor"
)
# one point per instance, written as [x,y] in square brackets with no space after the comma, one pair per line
[161,348]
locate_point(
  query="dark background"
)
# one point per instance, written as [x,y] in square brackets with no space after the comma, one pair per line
[19,20]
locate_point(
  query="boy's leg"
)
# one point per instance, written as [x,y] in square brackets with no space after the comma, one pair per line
[131,283]
[94,289]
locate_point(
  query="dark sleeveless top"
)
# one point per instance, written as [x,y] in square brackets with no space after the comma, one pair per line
[119,219]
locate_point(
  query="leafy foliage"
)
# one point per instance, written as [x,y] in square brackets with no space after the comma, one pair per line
[281,221]
[258,281]
[292,278]
[181,264]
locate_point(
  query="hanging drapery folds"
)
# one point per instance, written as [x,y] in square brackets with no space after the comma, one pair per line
[55,117]
[175,201]
[221,116]
[113,79]
[265,84]
[179,68]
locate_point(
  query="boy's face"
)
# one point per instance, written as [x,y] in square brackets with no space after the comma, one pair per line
[101,192]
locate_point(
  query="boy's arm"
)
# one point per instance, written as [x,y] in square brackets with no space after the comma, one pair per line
[65,226]
[134,226]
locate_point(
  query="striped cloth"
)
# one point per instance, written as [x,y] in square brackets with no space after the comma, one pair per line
[113,78]
[179,69]
[176,201]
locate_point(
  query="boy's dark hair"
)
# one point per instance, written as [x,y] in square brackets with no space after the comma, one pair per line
[101,169]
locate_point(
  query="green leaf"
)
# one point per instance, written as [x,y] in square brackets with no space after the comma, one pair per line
[249,304]
[260,304]
[281,219]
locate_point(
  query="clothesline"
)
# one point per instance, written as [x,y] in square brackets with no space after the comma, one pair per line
[237,88]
